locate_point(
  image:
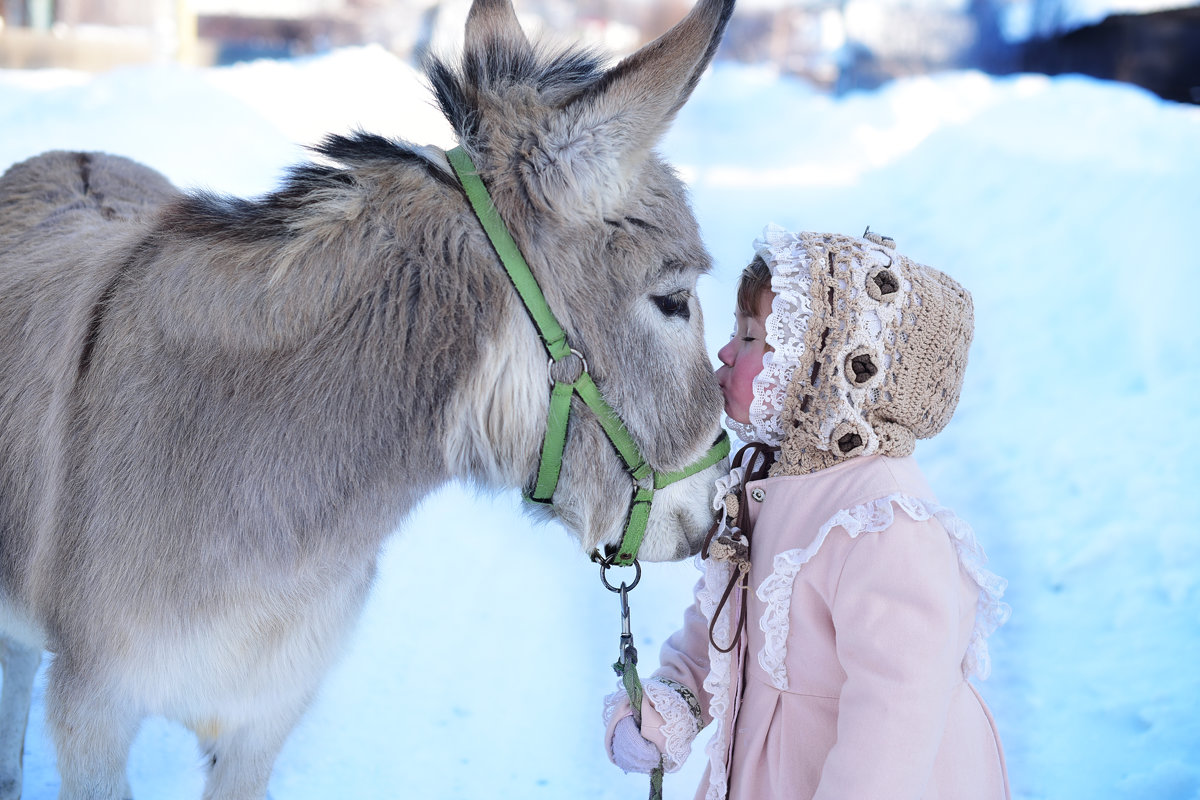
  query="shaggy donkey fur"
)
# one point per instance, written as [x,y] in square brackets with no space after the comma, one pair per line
[213,410]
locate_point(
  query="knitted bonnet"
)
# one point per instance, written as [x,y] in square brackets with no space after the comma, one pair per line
[869,350]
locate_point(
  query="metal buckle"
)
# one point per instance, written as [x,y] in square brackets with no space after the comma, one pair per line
[582,364]
[607,562]
[627,654]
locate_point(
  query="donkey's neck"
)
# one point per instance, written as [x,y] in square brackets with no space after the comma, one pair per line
[367,338]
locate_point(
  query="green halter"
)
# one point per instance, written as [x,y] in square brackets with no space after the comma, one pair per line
[559,349]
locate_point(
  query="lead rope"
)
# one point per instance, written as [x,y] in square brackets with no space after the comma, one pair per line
[626,665]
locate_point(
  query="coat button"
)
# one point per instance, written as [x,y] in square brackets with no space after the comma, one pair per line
[758,494]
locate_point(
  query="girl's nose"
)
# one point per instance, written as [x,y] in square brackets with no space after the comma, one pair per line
[725,354]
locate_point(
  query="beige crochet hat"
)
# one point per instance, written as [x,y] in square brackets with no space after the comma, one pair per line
[869,350]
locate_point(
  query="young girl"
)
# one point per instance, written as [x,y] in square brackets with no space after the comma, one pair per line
[842,610]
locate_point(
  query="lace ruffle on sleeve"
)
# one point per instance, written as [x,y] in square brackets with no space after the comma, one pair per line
[680,710]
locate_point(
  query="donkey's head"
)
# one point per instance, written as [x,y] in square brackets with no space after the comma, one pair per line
[564,146]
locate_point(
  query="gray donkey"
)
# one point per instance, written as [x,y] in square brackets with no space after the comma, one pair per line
[214,410]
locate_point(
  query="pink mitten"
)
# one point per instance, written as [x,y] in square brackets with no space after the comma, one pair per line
[630,751]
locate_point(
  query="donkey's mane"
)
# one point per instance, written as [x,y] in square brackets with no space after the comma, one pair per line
[494,70]
[498,67]
[362,149]
[204,213]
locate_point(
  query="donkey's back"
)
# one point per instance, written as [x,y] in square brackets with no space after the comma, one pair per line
[39,193]
[65,219]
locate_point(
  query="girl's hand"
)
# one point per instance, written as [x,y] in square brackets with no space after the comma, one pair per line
[630,751]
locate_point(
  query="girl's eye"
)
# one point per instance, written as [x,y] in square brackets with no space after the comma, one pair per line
[673,305]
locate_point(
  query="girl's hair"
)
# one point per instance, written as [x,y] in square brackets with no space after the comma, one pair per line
[756,279]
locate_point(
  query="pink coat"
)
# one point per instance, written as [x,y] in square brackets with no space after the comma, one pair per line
[867,612]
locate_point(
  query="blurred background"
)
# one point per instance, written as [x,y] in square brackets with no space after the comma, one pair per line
[838,45]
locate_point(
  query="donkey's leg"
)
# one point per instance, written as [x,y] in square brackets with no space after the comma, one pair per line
[242,759]
[244,741]
[92,731]
[20,664]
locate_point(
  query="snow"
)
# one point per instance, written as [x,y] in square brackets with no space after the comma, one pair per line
[1068,206]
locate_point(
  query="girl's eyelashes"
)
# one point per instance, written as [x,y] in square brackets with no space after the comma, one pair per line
[745,330]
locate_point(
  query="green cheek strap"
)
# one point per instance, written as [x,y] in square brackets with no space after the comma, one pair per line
[555,339]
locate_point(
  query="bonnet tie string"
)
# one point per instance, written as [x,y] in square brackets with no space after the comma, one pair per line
[733,545]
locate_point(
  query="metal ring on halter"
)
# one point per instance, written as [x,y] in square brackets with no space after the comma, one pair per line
[582,363]
[607,563]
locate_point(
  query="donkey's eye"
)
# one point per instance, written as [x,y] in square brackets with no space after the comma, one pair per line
[674,304]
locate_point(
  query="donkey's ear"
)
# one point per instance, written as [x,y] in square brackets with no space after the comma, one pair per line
[593,148]
[493,24]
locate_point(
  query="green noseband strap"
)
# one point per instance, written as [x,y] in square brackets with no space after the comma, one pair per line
[555,340]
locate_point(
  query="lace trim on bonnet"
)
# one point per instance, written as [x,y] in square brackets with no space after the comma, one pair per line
[873,517]
[786,325]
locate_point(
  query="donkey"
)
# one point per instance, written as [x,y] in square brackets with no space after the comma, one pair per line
[214,410]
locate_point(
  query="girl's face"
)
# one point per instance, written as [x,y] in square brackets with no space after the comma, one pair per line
[742,360]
